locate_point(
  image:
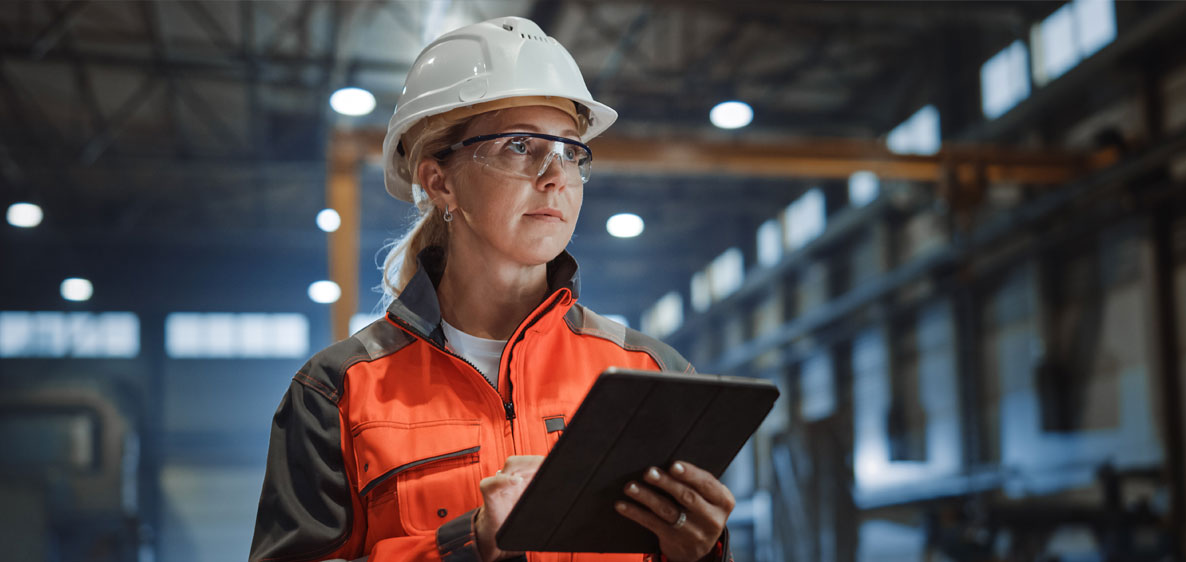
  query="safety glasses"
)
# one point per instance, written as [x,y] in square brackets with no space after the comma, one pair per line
[528,155]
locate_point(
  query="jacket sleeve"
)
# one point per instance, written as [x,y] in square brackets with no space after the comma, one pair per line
[308,509]
[722,552]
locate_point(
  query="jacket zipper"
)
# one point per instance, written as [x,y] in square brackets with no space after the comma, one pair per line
[510,405]
[507,407]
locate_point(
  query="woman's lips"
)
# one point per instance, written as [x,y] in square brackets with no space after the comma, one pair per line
[547,214]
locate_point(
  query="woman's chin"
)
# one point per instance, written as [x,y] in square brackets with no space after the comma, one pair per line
[539,252]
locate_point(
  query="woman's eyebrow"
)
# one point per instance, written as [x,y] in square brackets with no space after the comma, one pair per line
[529,128]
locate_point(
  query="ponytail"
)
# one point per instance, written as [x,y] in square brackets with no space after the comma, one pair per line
[430,229]
[400,264]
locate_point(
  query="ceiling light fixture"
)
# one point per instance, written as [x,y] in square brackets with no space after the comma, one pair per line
[324,292]
[624,225]
[731,115]
[24,215]
[77,289]
[329,220]
[352,101]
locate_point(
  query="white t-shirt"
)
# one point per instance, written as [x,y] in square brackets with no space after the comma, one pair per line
[483,353]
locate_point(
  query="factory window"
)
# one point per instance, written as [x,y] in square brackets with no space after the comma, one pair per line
[1095,24]
[618,318]
[1072,33]
[701,294]
[817,387]
[192,335]
[665,316]
[769,243]
[917,135]
[863,188]
[804,219]
[1054,45]
[1004,80]
[725,274]
[69,334]
[360,321]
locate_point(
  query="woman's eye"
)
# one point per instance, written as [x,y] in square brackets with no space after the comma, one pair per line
[570,154]
[517,146]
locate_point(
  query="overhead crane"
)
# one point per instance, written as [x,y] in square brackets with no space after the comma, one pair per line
[961,172]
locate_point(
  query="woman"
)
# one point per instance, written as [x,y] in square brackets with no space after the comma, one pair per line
[412,439]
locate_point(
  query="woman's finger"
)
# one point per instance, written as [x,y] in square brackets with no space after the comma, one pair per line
[688,498]
[686,542]
[689,526]
[499,481]
[705,484]
[500,492]
[659,505]
[516,471]
[663,529]
[522,463]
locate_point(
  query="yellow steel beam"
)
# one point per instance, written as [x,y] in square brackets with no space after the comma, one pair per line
[341,194]
[960,172]
[823,159]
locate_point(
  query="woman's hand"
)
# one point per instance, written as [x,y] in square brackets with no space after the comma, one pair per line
[687,530]
[499,494]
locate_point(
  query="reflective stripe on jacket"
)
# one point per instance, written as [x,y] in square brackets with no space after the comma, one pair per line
[379,444]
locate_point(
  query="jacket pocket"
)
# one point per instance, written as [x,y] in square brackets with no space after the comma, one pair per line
[419,475]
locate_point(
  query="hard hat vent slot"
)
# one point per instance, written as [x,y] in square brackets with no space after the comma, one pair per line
[534,37]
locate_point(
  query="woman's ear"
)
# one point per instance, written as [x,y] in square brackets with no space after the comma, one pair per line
[433,182]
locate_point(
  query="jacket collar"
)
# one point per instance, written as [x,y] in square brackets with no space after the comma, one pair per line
[418,307]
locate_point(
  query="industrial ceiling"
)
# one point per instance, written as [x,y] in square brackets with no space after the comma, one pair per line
[207,122]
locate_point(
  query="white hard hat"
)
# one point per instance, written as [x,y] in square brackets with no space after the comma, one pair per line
[493,60]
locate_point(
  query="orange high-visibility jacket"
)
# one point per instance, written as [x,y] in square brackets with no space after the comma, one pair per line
[380,442]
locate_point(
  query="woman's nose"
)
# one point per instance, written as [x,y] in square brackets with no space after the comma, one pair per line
[552,173]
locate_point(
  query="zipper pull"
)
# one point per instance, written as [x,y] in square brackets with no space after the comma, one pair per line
[510,409]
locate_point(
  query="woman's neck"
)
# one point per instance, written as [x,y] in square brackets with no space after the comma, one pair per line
[488,297]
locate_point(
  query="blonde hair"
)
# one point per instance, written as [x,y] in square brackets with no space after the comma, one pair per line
[429,229]
[430,137]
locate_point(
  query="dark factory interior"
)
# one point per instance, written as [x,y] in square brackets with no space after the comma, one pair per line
[953,234]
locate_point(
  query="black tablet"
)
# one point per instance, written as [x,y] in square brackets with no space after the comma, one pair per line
[630,421]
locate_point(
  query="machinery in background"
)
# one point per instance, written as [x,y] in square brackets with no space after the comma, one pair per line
[70,470]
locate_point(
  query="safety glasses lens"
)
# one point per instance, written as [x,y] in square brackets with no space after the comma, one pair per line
[531,157]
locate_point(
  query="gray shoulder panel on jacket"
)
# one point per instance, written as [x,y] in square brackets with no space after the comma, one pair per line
[324,373]
[583,321]
[381,338]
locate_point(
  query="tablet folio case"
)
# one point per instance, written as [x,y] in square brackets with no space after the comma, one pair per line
[630,421]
